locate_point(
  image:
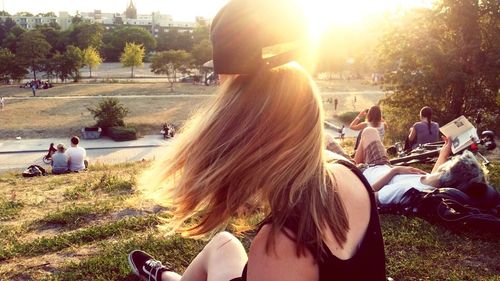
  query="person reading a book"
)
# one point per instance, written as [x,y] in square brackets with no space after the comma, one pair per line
[424,131]
[391,183]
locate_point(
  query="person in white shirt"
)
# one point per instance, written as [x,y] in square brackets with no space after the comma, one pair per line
[391,183]
[77,156]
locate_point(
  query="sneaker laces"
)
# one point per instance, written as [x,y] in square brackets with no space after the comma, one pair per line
[156,266]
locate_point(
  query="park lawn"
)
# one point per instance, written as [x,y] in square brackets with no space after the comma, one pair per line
[81,227]
[150,105]
[44,118]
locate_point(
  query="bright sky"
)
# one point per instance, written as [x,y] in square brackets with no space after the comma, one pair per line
[179,9]
[322,12]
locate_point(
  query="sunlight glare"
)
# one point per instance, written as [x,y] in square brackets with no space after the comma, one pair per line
[325,13]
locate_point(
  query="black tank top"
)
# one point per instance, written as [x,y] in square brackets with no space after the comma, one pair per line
[369,261]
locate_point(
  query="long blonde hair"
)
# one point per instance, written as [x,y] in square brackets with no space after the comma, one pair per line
[259,144]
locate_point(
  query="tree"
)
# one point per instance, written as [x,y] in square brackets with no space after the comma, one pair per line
[202,52]
[109,112]
[12,38]
[85,35]
[67,64]
[175,40]
[50,34]
[170,63]
[132,56]
[201,32]
[9,67]
[91,58]
[49,14]
[24,14]
[446,58]
[32,49]
[116,39]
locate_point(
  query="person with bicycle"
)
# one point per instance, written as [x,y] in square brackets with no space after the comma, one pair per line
[260,146]
[425,131]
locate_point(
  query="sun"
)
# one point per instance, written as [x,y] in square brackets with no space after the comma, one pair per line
[323,14]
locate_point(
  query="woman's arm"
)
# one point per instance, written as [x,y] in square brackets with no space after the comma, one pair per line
[280,263]
[443,154]
[383,181]
[355,125]
[412,135]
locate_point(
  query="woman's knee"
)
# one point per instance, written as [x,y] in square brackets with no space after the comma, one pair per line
[221,239]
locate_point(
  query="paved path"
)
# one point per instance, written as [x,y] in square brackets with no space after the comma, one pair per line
[19,154]
[40,96]
[104,96]
[16,155]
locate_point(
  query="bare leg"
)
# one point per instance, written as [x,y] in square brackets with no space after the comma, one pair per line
[369,135]
[223,258]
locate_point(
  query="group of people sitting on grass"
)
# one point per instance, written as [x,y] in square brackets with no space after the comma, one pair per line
[422,132]
[72,159]
[37,84]
[259,148]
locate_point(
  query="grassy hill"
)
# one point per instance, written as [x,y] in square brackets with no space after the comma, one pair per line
[81,227]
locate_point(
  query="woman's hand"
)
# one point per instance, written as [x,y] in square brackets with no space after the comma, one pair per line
[408,170]
[446,149]
[363,113]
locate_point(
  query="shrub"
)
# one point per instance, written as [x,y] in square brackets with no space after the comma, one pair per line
[109,112]
[121,133]
[347,117]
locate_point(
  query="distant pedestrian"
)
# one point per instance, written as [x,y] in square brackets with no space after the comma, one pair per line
[33,88]
[336,103]
[342,132]
[2,102]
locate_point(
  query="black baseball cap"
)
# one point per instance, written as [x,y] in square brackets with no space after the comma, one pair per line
[248,35]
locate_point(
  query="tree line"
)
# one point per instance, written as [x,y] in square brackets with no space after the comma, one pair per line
[62,53]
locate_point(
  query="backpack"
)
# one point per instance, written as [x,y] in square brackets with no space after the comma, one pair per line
[451,208]
[33,171]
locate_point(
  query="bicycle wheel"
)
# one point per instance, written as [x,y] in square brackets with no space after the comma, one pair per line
[415,158]
[46,159]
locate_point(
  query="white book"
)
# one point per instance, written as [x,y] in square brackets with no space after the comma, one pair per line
[461,133]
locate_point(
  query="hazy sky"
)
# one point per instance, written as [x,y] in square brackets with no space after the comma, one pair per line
[322,12]
[179,9]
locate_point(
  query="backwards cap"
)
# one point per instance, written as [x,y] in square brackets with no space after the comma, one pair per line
[248,35]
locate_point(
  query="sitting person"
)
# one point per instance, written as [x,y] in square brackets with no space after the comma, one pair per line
[391,183]
[246,154]
[425,131]
[76,155]
[59,160]
[373,119]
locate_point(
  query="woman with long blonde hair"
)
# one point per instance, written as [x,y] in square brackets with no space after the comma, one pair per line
[260,147]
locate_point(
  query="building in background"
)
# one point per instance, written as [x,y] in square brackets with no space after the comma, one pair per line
[30,21]
[155,22]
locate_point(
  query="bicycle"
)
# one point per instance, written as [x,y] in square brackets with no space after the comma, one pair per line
[47,158]
[428,153]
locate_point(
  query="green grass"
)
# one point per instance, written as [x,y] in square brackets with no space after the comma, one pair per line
[87,223]
[112,183]
[417,250]
[9,209]
[91,234]
[111,263]
[74,215]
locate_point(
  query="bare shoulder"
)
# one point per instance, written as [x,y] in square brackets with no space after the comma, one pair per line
[350,185]
[280,263]
[343,174]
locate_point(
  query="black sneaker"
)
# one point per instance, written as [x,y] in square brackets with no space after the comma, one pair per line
[145,266]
